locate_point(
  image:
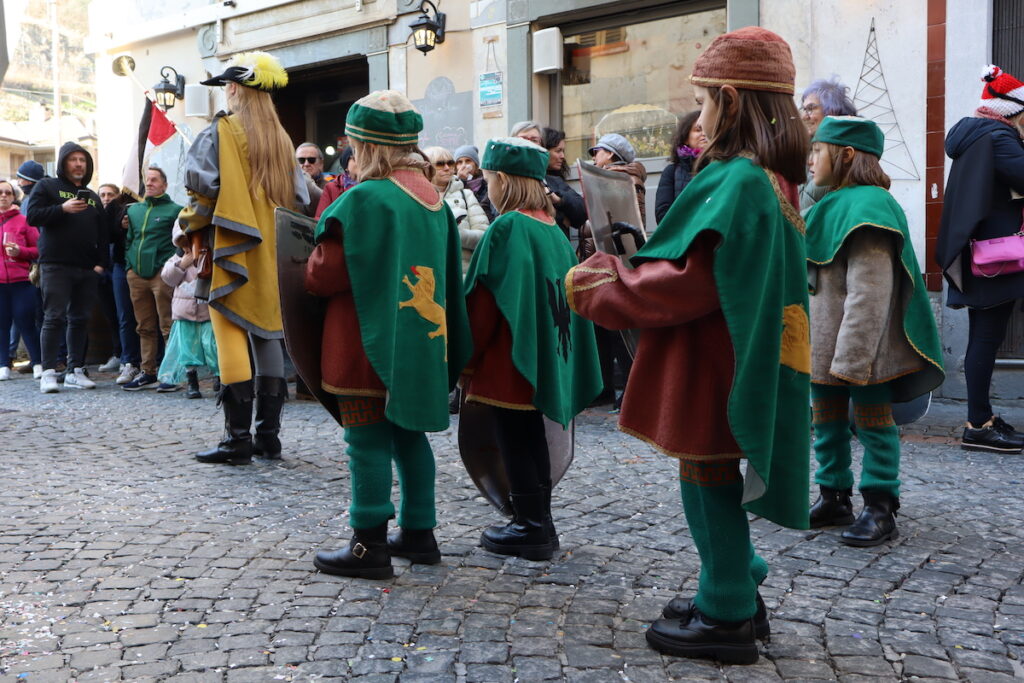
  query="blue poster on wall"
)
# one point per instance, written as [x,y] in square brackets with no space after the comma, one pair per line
[490,89]
[447,115]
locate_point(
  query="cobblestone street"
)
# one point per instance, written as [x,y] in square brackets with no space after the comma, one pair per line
[124,559]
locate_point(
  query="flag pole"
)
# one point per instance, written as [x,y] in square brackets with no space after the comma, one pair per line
[125,66]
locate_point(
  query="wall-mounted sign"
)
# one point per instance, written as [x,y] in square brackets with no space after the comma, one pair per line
[491,90]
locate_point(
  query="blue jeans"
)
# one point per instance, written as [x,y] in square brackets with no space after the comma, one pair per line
[18,306]
[131,352]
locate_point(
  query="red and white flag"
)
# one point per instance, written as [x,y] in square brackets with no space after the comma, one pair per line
[154,130]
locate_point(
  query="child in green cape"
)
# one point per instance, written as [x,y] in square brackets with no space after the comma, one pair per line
[721,372]
[532,357]
[873,335]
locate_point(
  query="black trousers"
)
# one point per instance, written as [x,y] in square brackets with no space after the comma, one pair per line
[68,295]
[986,331]
[524,450]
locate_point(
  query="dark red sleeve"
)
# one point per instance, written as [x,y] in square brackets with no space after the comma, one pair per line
[484,322]
[658,293]
[332,191]
[326,272]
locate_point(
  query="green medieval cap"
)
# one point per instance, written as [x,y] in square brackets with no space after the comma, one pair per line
[384,117]
[516,156]
[851,131]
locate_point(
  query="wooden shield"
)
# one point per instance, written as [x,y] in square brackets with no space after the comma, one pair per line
[478,447]
[302,314]
[610,198]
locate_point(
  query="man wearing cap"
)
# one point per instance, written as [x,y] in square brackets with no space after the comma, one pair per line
[29,173]
[614,153]
[233,189]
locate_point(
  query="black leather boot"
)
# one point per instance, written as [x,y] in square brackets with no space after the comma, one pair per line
[696,635]
[366,557]
[416,545]
[549,523]
[834,507]
[678,608]
[192,390]
[271,393]
[236,446]
[525,536]
[877,521]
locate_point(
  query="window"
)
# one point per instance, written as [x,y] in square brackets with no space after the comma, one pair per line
[633,80]
[1007,25]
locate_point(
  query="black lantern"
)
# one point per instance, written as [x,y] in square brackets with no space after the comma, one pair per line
[165,91]
[426,31]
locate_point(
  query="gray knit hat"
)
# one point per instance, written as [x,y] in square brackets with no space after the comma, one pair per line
[470,152]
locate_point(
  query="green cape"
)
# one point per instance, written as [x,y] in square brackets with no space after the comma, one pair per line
[761,277]
[831,221]
[404,260]
[523,263]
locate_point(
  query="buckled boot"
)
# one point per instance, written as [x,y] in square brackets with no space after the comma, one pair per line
[192,391]
[525,536]
[549,522]
[365,557]
[271,393]
[416,545]
[698,635]
[877,521]
[834,507]
[236,446]
[678,608]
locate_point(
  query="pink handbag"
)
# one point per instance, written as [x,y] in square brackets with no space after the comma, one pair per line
[998,256]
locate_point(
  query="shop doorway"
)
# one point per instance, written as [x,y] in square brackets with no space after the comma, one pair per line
[314,105]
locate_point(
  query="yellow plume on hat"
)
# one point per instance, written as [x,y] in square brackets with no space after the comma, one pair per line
[265,72]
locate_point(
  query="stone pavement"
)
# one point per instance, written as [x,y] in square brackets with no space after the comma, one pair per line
[123,559]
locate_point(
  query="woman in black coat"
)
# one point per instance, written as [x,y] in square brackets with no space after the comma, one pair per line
[570,211]
[686,145]
[979,204]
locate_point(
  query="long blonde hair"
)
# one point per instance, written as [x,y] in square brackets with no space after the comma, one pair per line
[514,192]
[271,164]
[377,162]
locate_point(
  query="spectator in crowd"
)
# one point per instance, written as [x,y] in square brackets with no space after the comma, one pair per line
[341,182]
[687,143]
[980,204]
[469,215]
[528,130]
[131,354]
[310,159]
[147,246]
[17,294]
[824,97]
[29,173]
[73,243]
[191,346]
[614,153]
[570,212]
[467,169]
[108,303]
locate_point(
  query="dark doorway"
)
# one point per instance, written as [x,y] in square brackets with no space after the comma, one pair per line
[314,105]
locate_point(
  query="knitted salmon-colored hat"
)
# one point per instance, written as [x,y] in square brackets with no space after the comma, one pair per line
[751,58]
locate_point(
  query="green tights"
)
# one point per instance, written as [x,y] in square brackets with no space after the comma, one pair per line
[730,569]
[872,412]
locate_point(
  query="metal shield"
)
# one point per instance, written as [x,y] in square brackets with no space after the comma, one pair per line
[610,198]
[478,446]
[302,314]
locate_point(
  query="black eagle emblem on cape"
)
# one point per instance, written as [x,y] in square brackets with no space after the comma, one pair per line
[560,317]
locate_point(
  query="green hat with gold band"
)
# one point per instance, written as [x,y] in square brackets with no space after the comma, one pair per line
[384,117]
[851,131]
[515,156]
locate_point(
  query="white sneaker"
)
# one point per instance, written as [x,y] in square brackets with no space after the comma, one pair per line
[128,373]
[78,380]
[112,365]
[5,373]
[37,371]
[48,382]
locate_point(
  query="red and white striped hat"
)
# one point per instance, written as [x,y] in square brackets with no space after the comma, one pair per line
[1003,93]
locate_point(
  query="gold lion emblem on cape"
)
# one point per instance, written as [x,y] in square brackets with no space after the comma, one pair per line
[423,303]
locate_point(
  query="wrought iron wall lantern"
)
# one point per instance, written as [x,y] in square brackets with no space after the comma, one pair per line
[166,91]
[426,31]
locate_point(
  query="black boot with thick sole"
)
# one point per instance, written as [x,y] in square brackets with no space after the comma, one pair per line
[366,557]
[696,635]
[192,390]
[416,545]
[236,446]
[525,536]
[834,507]
[678,608]
[271,393]
[876,523]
